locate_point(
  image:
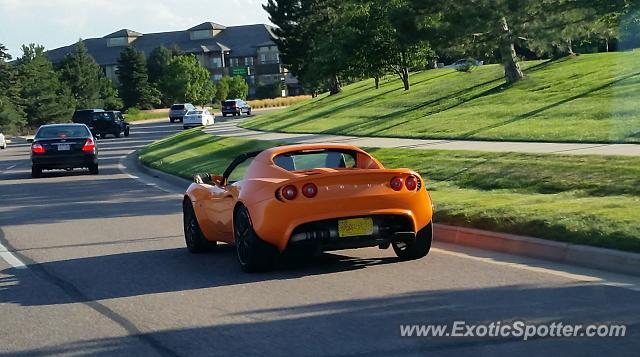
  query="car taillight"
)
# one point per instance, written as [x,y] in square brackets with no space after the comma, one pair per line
[89,145]
[309,190]
[411,183]
[396,183]
[37,148]
[289,192]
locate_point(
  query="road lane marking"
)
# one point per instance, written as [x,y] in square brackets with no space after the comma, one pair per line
[10,167]
[630,283]
[10,258]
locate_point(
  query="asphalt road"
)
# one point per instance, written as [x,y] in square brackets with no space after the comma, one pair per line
[107,274]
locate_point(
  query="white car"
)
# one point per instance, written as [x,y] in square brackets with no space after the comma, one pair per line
[198,117]
[3,142]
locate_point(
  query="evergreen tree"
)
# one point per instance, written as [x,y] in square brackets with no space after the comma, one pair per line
[109,94]
[12,115]
[46,99]
[157,63]
[135,89]
[81,74]
[185,80]
[500,25]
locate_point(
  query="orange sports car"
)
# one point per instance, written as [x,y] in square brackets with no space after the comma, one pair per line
[316,197]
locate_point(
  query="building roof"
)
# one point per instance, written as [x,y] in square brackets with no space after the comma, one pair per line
[238,41]
[207,26]
[124,33]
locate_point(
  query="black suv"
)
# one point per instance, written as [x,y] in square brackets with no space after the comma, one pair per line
[86,117]
[102,122]
[110,123]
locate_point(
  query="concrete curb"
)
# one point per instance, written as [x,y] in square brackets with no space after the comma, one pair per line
[133,166]
[573,254]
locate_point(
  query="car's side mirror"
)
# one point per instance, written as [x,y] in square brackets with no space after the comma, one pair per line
[30,140]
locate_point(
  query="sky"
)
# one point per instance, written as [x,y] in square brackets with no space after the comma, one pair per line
[56,23]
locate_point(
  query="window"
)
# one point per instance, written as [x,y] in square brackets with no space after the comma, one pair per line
[217,77]
[263,58]
[234,62]
[313,159]
[239,171]
[63,132]
[216,62]
[248,61]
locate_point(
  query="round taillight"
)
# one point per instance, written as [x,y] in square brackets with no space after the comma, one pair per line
[289,192]
[396,183]
[309,190]
[411,183]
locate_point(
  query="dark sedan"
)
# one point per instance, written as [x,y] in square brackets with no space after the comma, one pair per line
[63,146]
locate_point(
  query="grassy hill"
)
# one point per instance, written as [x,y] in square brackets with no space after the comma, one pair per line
[588,98]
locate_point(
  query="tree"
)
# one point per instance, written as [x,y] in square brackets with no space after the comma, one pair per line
[501,24]
[185,80]
[46,99]
[109,94]
[135,89]
[12,115]
[81,74]
[310,38]
[238,87]
[157,63]
[222,89]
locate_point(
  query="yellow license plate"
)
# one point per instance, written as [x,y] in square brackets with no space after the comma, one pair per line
[355,227]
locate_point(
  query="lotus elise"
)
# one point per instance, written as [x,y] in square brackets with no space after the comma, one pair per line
[317,197]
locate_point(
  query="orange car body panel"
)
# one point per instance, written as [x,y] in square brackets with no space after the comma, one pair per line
[342,193]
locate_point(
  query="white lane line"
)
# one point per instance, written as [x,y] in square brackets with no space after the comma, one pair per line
[10,167]
[629,283]
[10,258]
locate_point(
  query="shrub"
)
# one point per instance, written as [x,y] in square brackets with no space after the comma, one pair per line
[277,102]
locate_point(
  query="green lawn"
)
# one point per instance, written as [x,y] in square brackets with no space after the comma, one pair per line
[589,200]
[588,98]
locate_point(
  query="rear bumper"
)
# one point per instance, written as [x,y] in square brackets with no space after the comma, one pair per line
[64,161]
[191,125]
[278,222]
[230,111]
[324,235]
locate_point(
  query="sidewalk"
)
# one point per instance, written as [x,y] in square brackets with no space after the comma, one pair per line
[230,128]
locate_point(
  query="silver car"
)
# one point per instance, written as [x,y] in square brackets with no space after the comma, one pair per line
[178,111]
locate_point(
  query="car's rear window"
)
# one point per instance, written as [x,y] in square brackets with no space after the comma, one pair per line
[314,159]
[177,107]
[195,112]
[62,132]
[229,102]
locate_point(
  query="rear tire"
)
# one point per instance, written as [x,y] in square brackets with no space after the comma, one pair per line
[418,248]
[194,239]
[127,131]
[36,171]
[254,254]
[94,170]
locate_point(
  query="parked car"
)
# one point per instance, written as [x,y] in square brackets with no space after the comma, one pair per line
[110,123]
[465,62]
[86,117]
[3,142]
[198,117]
[63,146]
[178,111]
[314,197]
[235,107]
